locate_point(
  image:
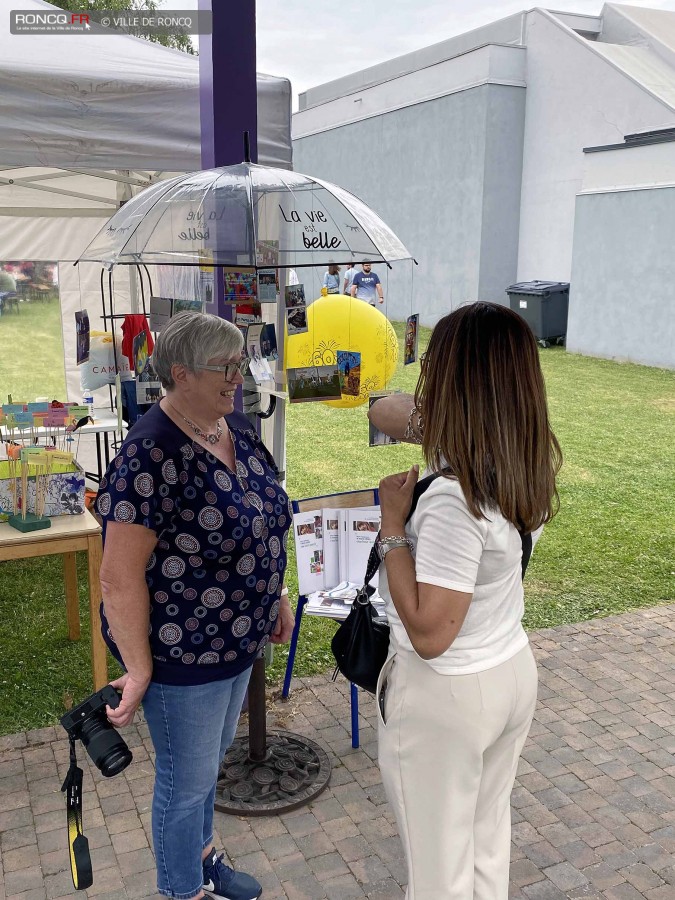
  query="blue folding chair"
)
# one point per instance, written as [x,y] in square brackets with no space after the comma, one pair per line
[348,500]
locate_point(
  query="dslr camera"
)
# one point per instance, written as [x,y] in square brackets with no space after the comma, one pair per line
[88,722]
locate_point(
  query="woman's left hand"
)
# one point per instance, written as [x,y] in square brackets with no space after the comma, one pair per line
[283,628]
[396,492]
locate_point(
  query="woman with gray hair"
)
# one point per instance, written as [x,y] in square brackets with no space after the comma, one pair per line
[195,527]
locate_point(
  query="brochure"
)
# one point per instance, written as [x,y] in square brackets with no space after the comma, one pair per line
[308,535]
[337,604]
[332,547]
[362,526]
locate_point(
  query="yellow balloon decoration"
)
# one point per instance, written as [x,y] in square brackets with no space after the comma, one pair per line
[337,322]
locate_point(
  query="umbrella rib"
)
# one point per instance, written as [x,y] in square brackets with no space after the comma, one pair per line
[251,217]
[327,186]
[171,183]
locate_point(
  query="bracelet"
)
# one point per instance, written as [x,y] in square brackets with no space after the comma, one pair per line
[413,433]
[284,592]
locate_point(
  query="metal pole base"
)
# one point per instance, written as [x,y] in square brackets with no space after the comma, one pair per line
[295,770]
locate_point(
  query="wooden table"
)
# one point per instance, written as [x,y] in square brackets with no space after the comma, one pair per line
[67,535]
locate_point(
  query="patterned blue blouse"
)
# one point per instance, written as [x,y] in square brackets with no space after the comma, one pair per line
[217,570]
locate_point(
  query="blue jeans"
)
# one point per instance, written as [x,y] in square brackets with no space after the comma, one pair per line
[191,728]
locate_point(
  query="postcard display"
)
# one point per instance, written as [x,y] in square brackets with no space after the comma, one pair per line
[40,480]
[332,547]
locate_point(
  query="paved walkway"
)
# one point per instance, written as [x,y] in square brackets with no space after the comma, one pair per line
[593,807]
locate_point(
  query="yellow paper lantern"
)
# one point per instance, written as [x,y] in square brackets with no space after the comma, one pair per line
[337,322]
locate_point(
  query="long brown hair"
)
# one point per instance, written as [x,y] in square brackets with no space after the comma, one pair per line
[482,398]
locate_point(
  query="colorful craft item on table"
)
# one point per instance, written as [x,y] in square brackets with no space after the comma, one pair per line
[339,323]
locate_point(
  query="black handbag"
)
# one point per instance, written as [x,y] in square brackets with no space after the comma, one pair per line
[361,643]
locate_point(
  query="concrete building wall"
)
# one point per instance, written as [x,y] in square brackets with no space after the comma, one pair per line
[423,170]
[621,303]
[575,99]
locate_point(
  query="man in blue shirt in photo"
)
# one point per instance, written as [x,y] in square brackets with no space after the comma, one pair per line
[367,286]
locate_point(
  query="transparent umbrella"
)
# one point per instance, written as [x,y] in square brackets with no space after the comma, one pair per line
[245,216]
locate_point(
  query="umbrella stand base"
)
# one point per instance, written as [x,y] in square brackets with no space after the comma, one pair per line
[294,771]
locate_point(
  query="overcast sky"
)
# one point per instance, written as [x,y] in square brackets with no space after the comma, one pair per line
[314,41]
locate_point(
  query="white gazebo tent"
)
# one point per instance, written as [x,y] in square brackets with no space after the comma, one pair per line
[86,121]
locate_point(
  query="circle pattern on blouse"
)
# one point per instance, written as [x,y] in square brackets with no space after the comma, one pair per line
[225,605]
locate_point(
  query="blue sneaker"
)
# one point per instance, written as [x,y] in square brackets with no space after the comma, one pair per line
[222,882]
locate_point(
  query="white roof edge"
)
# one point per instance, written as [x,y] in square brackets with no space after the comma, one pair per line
[397,67]
[362,88]
[398,106]
[593,48]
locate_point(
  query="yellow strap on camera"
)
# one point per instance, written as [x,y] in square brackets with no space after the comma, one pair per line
[78,845]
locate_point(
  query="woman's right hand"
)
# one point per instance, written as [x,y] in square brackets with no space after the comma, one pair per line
[133,691]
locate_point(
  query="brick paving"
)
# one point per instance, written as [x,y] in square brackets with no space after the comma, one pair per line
[593,806]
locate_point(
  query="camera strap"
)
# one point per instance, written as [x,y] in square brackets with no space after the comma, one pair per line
[78,845]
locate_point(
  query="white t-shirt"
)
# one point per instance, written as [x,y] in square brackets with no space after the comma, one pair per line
[482,557]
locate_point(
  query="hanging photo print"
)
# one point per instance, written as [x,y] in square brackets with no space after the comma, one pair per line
[349,367]
[377,438]
[257,364]
[82,331]
[295,296]
[267,253]
[268,341]
[267,285]
[296,320]
[239,286]
[206,285]
[313,383]
[411,339]
[180,305]
[247,314]
[148,387]
[161,309]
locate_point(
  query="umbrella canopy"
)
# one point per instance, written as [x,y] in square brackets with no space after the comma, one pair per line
[244,216]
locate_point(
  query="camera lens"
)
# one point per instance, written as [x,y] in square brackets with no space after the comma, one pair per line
[105,746]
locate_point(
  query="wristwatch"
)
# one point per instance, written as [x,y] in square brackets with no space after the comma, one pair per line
[385,544]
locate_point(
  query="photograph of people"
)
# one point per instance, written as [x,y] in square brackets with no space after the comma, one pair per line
[297,320]
[458,691]
[181,618]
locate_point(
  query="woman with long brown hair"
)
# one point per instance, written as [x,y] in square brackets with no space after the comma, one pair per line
[457,694]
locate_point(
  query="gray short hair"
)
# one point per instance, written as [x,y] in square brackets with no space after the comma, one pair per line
[191,339]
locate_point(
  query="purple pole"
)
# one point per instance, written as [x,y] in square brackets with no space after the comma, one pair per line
[228,98]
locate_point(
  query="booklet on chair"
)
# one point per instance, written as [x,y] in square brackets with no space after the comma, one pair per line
[332,546]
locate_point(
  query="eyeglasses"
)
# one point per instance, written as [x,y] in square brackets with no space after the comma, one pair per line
[423,360]
[229,370]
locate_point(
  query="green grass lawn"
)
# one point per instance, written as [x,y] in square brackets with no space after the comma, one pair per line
[31,352]
[609,549]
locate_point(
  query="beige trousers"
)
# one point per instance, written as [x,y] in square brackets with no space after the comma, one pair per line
[448,753]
